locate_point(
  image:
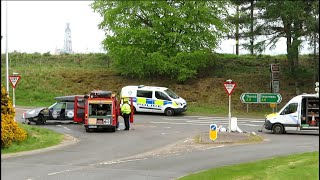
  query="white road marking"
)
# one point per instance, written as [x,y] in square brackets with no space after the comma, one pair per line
[213,147]
[251,125]
[58,172]
[214,119]
[121,161]
[201,123]
[66,128]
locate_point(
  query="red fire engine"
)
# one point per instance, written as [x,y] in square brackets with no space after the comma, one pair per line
[98,110]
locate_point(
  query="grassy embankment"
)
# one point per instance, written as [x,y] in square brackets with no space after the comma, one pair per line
[45,76]
[38,138]
[294,167]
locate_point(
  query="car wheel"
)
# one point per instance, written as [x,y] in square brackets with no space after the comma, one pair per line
[41,120]
[277,129]
[169,112]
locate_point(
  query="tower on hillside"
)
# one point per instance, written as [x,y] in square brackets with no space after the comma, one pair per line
[67,40]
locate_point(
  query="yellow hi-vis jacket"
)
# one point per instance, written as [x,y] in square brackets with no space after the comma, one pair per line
[125,109]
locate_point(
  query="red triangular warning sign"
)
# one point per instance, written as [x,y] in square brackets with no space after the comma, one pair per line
[14,80]
[229,87]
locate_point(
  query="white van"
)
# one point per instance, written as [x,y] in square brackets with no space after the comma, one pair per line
[154,99]
[300,113]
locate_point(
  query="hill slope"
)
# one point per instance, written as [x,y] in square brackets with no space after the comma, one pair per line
[45,76]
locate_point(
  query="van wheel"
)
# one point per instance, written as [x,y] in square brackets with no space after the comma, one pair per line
[169,112]
[41,120]
[277,129]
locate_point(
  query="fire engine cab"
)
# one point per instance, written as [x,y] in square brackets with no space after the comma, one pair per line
[98,110]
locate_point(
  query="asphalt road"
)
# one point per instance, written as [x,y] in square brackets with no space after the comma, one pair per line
[156,147]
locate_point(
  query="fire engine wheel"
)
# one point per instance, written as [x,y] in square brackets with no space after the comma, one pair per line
[41,120]
[113,129]
[277,129]
[169,112]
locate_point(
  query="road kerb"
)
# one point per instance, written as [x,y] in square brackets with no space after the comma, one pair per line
[68,140]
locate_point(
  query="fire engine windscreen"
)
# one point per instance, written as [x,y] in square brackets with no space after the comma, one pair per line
[99,109]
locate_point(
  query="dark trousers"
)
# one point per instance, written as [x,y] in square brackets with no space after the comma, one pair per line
[126,121]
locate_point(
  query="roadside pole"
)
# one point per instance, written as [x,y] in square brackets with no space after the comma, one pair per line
[229,87]
[229,115]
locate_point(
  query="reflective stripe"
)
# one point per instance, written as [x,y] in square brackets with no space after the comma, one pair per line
[142,100]
[175,104]
[159,102]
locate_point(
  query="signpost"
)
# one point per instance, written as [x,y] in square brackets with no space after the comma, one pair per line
[14,81]
[213,134]
[229,87]
[275,77]
[249,98]
[268,98]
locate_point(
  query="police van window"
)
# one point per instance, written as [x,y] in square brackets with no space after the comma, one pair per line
[161,95]
[291,108]
[70,105]
[146,94]
[171,94]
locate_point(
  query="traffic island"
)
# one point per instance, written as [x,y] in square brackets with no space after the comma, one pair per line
[228,138]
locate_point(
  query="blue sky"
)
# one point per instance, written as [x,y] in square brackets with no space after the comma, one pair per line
[38,26]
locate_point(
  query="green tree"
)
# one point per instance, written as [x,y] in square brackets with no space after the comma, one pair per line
[286,19]
[146,37]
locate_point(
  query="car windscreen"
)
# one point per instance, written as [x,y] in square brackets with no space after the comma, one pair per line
[52,105]
[171,94]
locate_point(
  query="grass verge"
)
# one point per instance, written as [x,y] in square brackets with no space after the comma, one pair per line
[297,166]
[38,138]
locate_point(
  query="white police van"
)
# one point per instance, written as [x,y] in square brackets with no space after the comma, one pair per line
[154,99]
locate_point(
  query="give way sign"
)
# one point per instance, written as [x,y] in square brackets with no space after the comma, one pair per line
[14,80]
[229,87]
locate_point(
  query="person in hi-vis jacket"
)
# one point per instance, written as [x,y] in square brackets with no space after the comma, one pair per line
[125,113]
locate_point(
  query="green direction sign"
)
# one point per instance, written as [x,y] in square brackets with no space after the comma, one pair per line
[270,98]
[249,98]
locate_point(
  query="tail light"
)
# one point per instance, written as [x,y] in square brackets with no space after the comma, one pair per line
[24,115]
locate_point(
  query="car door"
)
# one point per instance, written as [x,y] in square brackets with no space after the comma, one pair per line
[289,115]
[144,101]
[69,111]
[161,99]
[55,111]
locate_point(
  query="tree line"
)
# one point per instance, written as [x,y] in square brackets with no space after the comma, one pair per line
[178,38]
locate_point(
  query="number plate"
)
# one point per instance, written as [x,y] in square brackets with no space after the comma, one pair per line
[92,126]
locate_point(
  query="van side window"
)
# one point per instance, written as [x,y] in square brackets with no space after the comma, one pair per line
[161,95]
[70,105]
[145,94]
[291,108]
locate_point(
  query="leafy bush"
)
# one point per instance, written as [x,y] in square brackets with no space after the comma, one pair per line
[10,130]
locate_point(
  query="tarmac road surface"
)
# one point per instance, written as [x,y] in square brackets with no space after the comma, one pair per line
[156,147]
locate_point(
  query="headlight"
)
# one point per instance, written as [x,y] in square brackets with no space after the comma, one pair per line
[179,104]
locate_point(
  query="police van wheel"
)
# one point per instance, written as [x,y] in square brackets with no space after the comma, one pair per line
[169,112]
[277,129]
